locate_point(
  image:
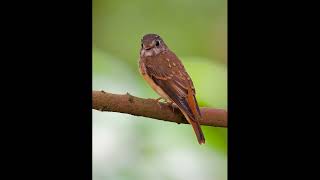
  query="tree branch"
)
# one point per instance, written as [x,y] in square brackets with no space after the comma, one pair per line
[129,104]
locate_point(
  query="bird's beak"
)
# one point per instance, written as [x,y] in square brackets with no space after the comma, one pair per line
[147,47]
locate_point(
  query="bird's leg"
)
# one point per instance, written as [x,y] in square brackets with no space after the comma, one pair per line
[171,104]
[158,101]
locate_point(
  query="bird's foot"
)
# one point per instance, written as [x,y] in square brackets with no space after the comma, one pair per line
[171,104]
[158,101]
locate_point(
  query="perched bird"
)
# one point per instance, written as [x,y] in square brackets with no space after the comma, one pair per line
[165,73]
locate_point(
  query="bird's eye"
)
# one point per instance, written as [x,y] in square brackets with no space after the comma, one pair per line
[157,43]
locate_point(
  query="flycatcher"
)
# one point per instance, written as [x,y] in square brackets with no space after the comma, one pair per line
[165,73]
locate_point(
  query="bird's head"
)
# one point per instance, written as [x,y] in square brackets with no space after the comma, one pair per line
[152,45]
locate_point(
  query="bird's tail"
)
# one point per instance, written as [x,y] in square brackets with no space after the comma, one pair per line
[197,129]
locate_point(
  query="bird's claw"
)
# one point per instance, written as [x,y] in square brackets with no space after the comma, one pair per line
[158,102]
[158,99]
[171,104]
[168,103]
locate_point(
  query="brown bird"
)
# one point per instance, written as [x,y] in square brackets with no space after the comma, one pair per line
[165,73]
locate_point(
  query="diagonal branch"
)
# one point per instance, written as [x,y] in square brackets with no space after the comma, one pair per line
[129,104]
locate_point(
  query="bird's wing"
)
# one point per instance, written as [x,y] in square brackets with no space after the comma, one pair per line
[169,74]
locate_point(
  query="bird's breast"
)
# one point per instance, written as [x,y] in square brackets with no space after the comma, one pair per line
[150,81]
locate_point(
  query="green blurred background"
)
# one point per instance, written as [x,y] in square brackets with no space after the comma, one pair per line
[137,148]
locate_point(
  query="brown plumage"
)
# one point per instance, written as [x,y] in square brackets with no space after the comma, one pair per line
[165,73]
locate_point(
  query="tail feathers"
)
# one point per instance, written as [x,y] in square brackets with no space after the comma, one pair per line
[197,129]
